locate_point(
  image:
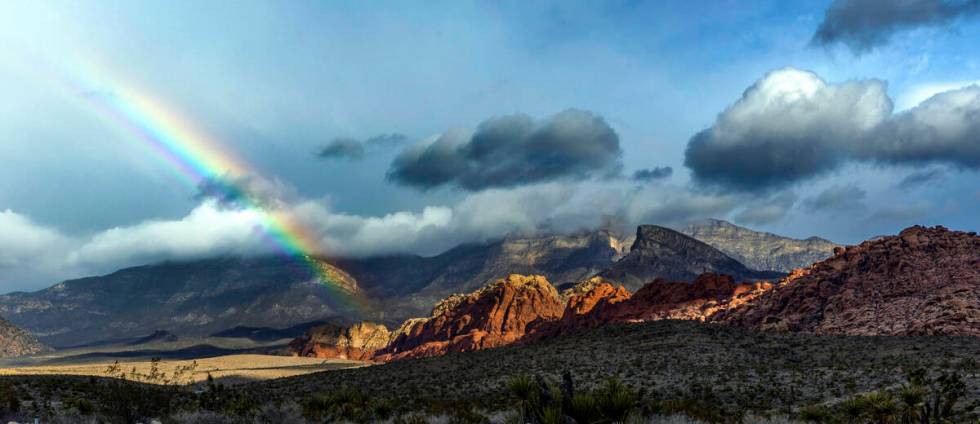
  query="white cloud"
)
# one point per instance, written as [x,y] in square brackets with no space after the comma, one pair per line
[206,230]
[921,92]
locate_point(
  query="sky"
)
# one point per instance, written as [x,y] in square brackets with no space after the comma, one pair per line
[409,127]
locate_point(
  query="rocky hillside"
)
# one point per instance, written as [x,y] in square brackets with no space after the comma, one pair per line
[924,281]
[499,314]
[186,298]
[527,309]
[17,342]
[759,250]
[660,252]
[207,296]
[358,342]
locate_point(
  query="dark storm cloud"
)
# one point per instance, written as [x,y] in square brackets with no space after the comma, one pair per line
[342,148]
[513,150]
[791,126]
[767,211]
[652,174]
[353,149]
[919,178]
[837,197]
[865,24]
[787,127]
[943,129]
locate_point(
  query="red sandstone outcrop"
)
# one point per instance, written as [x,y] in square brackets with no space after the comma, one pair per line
[924,281]
[358,342]
[606,303]
[499,314]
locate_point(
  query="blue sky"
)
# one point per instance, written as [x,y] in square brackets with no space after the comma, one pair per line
[275,82]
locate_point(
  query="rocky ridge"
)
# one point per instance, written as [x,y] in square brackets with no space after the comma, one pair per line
[358,342]
[520,309]
[760,250]
[17,342]
[660,252]
[498,314]
[208,296]
[924,281]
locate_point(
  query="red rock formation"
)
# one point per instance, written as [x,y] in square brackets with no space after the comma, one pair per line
[925,281]
[358,342]
[709,294]
[496,315]
[605,303]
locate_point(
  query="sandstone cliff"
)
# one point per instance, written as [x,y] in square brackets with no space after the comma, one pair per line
[500,313]
[604,302]
[924,281]
[359,341]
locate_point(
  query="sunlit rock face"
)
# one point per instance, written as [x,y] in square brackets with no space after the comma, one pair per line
[759,250]
[358,342]
[924,281]
[17,342]
[604,302]
[499,314]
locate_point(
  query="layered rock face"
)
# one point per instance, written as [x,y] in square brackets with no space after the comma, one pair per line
[660,252]
[700,300]
[17,342]
[358,342]
[498,314]
[760,250]
[925,281]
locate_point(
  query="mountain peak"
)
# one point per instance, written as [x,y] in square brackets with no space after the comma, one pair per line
[660,252]
[923,281]
[760,250]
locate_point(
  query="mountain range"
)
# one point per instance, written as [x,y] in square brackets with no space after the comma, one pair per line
[760,250]
[924,281]
[208,296]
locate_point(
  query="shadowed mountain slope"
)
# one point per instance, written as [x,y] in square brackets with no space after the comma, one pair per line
[660,252]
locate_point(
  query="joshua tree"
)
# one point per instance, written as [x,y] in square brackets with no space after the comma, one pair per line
[947,389]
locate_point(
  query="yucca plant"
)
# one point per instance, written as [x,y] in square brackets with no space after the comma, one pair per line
[912,398]
[815,414]
[880,407]
[616,401]
[523,388]
[584,409]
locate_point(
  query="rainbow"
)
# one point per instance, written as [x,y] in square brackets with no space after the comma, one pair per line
[198,159]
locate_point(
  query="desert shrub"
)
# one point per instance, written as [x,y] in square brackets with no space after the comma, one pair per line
[81,405]
[541,401]
[9,398]
[280,413]
[815,414]
[346,405]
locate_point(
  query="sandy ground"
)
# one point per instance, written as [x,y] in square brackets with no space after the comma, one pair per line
[229,369]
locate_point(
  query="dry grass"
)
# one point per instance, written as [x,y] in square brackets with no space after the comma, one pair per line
[229,369]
